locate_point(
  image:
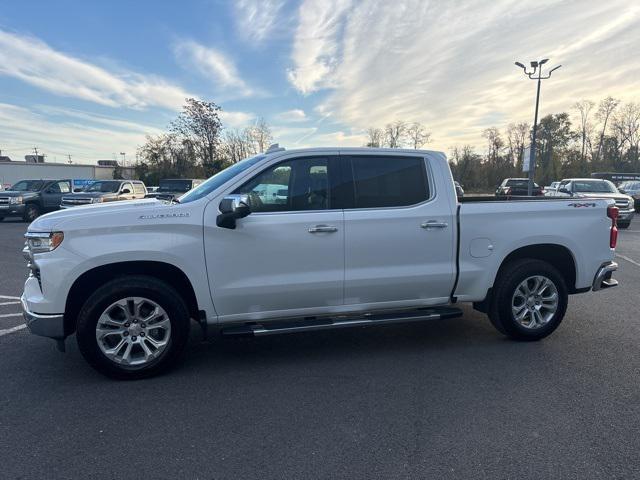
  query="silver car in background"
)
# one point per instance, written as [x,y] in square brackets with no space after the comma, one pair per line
[632,188]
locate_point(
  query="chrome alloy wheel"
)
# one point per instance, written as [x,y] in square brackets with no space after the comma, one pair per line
[535,302]
[133,332]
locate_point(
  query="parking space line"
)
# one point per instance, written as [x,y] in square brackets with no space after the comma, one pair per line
[630,260]
[9,303]
[12,329]
[6,297]
[6,315]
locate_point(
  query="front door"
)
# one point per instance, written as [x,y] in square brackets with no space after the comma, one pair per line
[287,257]
[399,234]
[52,195]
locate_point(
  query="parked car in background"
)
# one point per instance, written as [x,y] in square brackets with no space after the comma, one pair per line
[171,188]
[359,236]
[30,198]
[551,190]
[631,188]
[594,188]
[152,189]
[517,187]
[106,191]
[459,189]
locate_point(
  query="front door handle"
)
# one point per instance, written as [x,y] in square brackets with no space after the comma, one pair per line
[434,224]
[323,229]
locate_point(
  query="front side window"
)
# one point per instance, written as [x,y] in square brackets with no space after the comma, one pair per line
[293,185]
[104,187]
[389,181]
[138,188]
[59,187]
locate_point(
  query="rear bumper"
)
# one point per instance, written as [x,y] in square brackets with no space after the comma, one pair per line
[45,325]
[603,278]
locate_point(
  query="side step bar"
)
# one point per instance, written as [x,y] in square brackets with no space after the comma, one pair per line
[312,324]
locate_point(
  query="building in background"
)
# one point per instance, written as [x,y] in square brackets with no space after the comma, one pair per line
[11,172]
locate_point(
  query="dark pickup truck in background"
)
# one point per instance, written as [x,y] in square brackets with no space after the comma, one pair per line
[106,191]
[31,198]
[517,187]
[170,188]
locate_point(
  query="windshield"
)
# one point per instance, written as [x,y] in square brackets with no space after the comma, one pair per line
[220,179]
[104,187]
[27,186]
[174,186]
[594,186]
[520,183]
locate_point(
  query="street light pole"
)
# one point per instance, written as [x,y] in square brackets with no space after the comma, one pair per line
[537,68]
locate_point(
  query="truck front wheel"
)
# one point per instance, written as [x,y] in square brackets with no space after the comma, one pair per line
[31,212]
[133,327]
[529,300]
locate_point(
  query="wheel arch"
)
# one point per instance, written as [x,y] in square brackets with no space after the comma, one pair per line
[86,283]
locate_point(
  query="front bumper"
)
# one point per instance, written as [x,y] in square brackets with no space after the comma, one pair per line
[626,215]
[15,210]
[603,278]
[45,325]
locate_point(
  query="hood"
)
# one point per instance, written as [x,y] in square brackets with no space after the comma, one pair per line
[91,194]
[619,196]
[8,193]
[56,220]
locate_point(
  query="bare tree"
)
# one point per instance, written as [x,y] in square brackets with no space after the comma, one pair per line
[584,109]
[605,109]
[260,135]
[626,127]
[199,124]
[418,135]
[517,136]
[395,133]
[375,137]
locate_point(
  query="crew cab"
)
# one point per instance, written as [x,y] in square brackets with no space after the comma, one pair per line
[106,191]
[596,188]
[30,198]
[353,237]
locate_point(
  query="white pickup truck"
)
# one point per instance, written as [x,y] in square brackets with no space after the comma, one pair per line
[353,237]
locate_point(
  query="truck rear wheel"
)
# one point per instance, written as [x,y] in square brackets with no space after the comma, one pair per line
[133,327]
[529,300]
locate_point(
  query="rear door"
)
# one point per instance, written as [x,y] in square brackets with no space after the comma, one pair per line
[399,233]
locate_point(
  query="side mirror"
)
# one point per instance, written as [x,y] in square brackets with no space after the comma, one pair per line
[622,190]
[564,190]
[232,207]
[77,190]
[126,190]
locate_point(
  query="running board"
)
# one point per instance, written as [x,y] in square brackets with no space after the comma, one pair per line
[313,324]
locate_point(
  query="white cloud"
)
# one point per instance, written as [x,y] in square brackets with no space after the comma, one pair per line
[256,19]
[450,64]
[295,115]
[57,137]
[236,119]
[212,63]
[36,63]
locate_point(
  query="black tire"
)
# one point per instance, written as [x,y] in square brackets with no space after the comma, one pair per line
[31,212]
[623,225]
[500,307]
[1,219]
[133,286]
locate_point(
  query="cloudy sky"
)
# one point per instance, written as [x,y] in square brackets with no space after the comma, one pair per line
[91,79]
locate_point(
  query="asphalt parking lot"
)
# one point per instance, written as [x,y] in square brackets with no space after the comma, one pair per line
[450,399]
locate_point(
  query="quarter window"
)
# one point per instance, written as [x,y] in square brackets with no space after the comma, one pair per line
[294,185]
[389,181]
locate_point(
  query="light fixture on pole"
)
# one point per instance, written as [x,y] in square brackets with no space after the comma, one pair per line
[535,73]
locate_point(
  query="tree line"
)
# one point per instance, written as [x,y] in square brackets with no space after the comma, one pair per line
[197,145]
[592,138]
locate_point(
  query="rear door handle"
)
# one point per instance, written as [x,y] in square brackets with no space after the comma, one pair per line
[323,229]
[434,224]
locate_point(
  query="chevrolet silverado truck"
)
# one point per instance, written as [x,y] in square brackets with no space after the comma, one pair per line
[106,191]
[354,237]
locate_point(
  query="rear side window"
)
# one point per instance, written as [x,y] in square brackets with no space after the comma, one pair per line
[388,181]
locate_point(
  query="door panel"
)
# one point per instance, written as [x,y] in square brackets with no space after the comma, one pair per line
[288,254]
[389,255]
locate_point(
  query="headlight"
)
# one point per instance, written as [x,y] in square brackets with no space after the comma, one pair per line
[97,200]
[15,200]
[38,242]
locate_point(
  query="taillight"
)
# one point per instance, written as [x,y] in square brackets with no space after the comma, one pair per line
[612,213]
